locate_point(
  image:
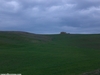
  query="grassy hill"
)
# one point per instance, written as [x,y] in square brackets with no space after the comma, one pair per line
[59,54]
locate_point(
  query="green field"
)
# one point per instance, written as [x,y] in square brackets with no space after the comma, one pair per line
[59,54]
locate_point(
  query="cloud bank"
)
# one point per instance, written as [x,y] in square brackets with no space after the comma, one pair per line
[53,16]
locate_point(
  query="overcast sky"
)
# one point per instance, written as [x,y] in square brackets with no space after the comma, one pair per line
[50,16]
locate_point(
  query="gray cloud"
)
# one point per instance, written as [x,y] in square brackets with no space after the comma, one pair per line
[53,16]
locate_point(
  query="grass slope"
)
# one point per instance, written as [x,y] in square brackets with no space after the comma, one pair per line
[32,54]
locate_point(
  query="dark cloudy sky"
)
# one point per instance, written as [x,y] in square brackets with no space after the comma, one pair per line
[50,16]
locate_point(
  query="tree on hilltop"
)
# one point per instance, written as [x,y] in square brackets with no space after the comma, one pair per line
[64,33]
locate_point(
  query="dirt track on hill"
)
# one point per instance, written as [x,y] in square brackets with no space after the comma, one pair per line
[96,72]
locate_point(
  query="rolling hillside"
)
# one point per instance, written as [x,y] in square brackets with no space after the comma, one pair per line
[18,38]
[35,54]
